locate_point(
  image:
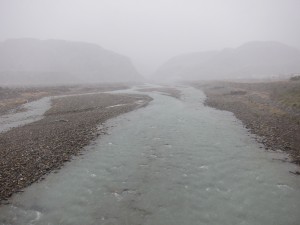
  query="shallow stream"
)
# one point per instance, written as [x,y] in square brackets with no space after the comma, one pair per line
[172,162]
[28,113]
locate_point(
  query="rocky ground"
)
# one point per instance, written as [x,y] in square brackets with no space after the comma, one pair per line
[13,97]
[270,110]
[29,152]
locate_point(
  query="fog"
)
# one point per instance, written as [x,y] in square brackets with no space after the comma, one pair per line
[151,32]
[149,112]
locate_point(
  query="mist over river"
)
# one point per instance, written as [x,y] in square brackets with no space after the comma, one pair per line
[175,161]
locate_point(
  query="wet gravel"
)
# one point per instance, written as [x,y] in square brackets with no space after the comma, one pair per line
[12,98]
[276,126]
[29,152]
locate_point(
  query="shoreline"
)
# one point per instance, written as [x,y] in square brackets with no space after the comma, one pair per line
[29,152]
[12,98]
[262,110]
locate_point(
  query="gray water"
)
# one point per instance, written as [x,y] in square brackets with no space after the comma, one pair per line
[33,111]
[173,162]
[30,112]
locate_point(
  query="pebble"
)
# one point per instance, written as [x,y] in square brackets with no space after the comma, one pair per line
[38,148]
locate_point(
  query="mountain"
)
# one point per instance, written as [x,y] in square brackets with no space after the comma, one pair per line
[31,61]
[251,60]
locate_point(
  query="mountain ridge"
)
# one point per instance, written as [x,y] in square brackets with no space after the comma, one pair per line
[68,61]
[256,59]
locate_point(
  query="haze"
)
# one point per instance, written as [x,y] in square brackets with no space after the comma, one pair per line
[157,112]
[151,32]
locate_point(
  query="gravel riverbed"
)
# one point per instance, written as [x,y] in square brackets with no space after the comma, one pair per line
[29,152]
[262,109]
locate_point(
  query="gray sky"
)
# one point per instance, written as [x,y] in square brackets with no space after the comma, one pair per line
[151,31]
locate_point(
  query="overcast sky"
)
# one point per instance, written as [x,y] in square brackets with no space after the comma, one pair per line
[151,31]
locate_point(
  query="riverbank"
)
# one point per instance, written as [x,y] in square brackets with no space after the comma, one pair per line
[12,98]
[270,110]
[29,152]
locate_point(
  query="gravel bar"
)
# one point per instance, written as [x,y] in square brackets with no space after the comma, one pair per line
[29,152]
[261,109]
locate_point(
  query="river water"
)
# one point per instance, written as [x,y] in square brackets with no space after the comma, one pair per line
[32,111]
[172,162]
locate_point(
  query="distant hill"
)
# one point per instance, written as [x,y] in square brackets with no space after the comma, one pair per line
[31,61]
[251,60]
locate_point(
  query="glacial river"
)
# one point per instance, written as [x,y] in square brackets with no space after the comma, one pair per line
[29,113]
[174,162]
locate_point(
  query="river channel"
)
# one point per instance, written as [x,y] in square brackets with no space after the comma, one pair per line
[174,162]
